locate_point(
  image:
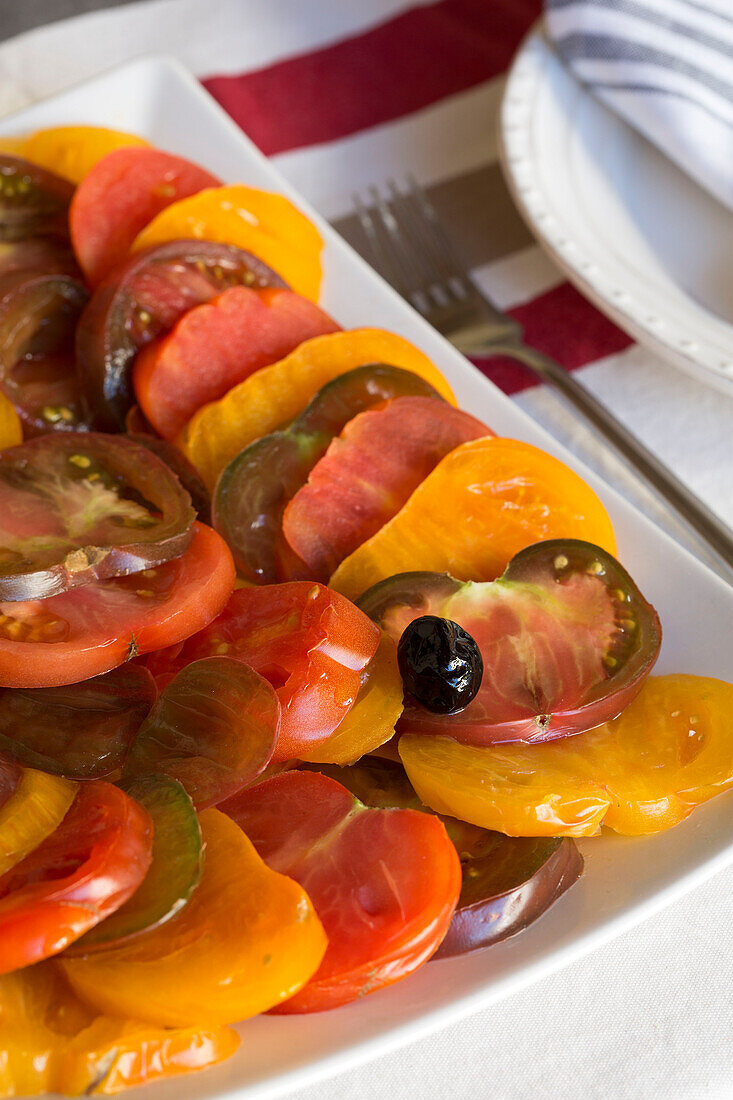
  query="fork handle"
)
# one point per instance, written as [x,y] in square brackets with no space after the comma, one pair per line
[710,528]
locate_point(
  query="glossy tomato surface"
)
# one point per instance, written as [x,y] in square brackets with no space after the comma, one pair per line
[83,506]
[384,882]
[254,489]
[82,633]
[53,1042]
[508,494]
[566,638]
[248,939]
[309,642]
[214,728]
[508,882]
[120,195]
[39,310]
[141,300]
[84,870]
[33,201]
[368,473]
[34,809]
[645,771]
[236,334]
[82,731]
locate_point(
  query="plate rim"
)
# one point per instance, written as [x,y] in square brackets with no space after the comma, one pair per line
[556,235]
[308,1071]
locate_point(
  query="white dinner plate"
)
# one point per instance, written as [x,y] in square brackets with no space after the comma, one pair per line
[640,238]
[625,879]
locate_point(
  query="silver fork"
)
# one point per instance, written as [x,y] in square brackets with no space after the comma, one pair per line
[410,248]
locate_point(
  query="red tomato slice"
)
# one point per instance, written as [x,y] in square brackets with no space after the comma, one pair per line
[234,335]
[120,195]
[368,473]
[81,633]
[85,870]
[384,883]
[309,642]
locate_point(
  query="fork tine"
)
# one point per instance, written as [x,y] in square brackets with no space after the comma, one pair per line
[411,279]
[426,225]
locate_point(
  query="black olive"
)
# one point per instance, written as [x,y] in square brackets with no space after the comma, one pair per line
[440,664]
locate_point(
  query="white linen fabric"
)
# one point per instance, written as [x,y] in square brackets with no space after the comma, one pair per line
[649,1015]
[666,66]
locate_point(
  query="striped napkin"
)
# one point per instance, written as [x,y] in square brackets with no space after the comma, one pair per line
[666,66]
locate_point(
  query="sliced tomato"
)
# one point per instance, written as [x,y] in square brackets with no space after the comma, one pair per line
[120,195]
[44,255]
[255,487]
[384,883]
[67,638]
[508,882]
[368,473]
[33,202]
[234,335]
[83,506]
[140,301]
[80,732]
[54,1043]
[309,642]
[10,776]
[214,728]
[39,311]
[72,151]
[248,939]
[173,875]
[33,811]
[85,870]
[566,638]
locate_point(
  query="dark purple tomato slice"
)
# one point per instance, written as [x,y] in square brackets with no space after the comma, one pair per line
[566,637]
[173,875]
[44,255]
[38,316]
[184,470]
[82,506]
[254,489]
[141,300]
[10,776]
[79,732]
[214,728]
[508,882]
[33,202]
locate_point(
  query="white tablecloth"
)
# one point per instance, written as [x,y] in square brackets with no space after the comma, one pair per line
[651,1014]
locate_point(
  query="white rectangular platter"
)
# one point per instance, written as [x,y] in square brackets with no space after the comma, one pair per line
[625,879]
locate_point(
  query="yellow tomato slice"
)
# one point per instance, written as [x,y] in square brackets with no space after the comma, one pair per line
[71,151]
[52,1042]
[372,719]
[261,222]
[35,809]
[11,429]
[275,395]
[669,751]
[480,506]
[248,939]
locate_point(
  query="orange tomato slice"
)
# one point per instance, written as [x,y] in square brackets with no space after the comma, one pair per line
[261,222]
[31,814]
[71,151]
[248,939]
[372,719]
[52,1042]
[669,751]
[275,395]
[481,505]
[11,430]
